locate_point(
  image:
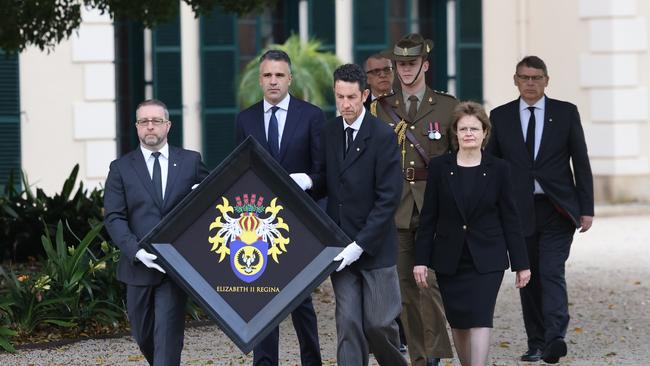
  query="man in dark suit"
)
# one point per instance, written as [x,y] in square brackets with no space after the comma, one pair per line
[380,77]
[290,129]
[141,188]
[543,139]
[362,181]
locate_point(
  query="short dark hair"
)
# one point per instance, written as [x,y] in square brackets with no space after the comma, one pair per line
[351,73]
[276,55]
[155,102]
[469,109]
[534,62]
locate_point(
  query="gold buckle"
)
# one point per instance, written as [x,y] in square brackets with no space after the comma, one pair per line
[410,174]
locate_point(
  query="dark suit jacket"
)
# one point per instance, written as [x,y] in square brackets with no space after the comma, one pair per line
[491,227]
[300,145]
[363,190]
[131,210]
[562,145]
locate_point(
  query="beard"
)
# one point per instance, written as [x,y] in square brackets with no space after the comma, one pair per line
[151,140]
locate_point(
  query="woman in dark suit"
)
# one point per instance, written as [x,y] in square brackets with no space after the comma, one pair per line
[468,229]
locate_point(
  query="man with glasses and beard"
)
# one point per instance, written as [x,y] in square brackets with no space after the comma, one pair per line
[141,188]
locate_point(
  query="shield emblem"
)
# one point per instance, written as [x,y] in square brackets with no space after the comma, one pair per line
[248,261]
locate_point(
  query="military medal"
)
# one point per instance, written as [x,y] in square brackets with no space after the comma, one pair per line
[434,131]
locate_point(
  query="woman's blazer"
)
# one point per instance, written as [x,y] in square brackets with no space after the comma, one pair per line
[491,227]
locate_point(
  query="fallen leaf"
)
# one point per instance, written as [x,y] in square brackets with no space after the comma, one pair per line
[578,329]
[504,344]
[135,358]
[611,354]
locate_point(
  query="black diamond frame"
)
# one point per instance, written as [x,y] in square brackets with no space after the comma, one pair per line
[250,155]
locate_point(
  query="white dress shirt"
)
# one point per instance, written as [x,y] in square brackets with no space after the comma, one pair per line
[164,163]
[524,116]
[356,125]
[280,115]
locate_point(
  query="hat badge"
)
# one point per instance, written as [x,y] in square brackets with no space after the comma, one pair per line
[405,51]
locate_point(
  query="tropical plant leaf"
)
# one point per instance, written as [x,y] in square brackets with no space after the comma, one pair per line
[311,71]
[6,345]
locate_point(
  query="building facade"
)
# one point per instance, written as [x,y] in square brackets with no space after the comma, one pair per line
[77,104]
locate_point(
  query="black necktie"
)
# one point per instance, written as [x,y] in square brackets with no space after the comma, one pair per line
[349,132]
[413,108]
[530,134]
[273,133]
[156,177]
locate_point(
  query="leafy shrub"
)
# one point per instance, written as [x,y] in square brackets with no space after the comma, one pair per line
[74,288]
[23,213]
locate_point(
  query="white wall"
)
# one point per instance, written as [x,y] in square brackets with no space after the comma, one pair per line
[67,99]
[595,51]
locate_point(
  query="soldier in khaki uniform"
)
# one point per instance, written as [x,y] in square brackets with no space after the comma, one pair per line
[422,126]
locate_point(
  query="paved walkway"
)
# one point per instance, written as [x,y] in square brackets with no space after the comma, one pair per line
[608,277]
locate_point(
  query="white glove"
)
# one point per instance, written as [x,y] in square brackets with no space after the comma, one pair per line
[302,180]
[349,255]
[148,260]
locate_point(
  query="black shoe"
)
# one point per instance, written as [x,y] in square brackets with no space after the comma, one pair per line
[532,355]
[433,362]
[402,348]
[554,350]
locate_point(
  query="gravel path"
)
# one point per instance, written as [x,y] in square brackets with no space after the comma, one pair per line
[608,275]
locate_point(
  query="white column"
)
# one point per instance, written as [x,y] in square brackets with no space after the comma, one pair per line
[414,27]
[191,79]
[451,46]
[344,30]
[303,20]
[148,63]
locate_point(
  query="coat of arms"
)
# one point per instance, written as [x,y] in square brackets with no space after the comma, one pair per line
[249,233]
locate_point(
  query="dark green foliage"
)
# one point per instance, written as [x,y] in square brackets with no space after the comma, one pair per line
[73,288]
[45,23]
[24,212]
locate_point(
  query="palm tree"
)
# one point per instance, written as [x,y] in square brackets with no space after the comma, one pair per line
[311,69]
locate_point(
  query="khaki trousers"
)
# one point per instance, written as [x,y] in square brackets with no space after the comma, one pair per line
[422,315]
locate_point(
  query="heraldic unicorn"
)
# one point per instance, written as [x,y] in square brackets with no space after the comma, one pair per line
[249,233]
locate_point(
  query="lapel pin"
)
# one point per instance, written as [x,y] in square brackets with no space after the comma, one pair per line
[396,101]
[358,149]
[430,100]
[174,164]
[550,119]
[451,173]
[484,174]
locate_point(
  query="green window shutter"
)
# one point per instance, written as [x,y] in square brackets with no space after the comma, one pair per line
[469,50]
[322,23]
[9,117]
[370,28]
[219,71]
[167,74]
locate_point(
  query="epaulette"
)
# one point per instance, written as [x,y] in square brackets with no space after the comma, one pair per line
[373,107]
[444,93]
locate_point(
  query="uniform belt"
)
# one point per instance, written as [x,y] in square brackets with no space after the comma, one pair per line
[412,174]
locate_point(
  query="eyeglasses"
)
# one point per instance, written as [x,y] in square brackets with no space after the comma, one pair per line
[470,130]
[530,77]
[377,72]
[156,121]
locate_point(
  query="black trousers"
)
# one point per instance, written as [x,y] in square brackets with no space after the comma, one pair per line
[544,300]
[157,317]
[305,324]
